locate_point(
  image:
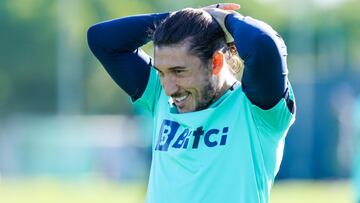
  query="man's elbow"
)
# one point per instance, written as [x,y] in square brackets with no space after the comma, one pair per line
[92,38]
[270,45]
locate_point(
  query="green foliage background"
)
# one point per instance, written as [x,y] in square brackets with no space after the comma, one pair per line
[29,39]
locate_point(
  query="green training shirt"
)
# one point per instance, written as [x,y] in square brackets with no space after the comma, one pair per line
[227,153]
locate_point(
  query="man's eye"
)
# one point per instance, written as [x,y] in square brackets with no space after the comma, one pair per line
[178,71]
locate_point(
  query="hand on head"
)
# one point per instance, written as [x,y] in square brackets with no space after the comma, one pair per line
[224,6]
[219,12]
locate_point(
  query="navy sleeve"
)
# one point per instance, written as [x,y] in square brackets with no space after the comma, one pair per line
[116,43]
[264,53]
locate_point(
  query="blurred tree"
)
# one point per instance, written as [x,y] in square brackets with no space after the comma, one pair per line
[29,42]
[27,57]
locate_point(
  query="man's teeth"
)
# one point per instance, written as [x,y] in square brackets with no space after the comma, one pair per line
[179,99]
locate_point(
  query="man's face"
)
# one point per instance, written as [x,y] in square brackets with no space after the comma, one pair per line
[184,77]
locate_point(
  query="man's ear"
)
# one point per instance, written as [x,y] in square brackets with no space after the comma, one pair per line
[217,62]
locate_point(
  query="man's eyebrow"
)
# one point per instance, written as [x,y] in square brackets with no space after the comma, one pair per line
[172,68]
[177,68]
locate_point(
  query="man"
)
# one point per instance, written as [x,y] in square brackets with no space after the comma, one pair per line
[215,139]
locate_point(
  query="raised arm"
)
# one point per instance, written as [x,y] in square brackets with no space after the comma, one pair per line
[264,53]
[116,43]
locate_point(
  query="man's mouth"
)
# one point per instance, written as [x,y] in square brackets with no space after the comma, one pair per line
[180,101]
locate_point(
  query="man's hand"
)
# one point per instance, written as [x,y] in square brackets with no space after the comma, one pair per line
[224,6]
[219,13]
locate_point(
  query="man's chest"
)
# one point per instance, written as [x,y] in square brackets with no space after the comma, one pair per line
[173,135]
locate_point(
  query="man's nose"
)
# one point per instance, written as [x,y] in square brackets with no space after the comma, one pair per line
[169,85]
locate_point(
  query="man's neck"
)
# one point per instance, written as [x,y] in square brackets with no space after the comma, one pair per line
[225,86]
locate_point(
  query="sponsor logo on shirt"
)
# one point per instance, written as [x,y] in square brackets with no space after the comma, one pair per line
[171,136]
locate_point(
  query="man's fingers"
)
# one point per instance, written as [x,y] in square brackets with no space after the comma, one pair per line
[225,6]
[229,6]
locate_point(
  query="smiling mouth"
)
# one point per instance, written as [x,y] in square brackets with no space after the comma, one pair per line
[180,101]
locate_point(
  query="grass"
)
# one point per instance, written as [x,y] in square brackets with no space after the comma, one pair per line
[51,191]
[312,192]
[55,191]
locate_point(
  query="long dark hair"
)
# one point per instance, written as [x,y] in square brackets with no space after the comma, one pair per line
[193,26]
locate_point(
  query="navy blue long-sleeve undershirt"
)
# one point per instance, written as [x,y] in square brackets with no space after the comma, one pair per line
[117,43]
[264,53]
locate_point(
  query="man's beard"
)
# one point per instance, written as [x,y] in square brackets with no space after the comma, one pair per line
[208,94]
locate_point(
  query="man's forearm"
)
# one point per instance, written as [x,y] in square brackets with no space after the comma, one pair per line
[123,34]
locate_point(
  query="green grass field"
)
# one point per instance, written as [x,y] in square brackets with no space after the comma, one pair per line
[53,191]
[312,192]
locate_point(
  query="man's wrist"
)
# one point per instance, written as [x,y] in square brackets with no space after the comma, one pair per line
[220,16]
[228,37]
